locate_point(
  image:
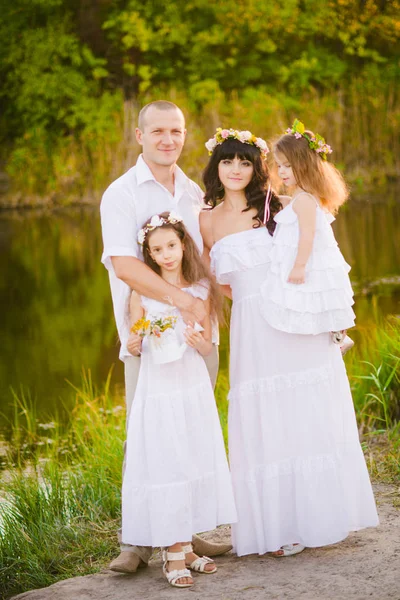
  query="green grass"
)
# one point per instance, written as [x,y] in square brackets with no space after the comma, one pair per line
[61,490]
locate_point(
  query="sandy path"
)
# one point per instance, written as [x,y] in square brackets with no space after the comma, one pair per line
[366,565]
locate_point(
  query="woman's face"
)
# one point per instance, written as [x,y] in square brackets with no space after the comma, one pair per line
[285,170]
[235,174]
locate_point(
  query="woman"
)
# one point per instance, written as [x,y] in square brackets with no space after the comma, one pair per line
[298,471]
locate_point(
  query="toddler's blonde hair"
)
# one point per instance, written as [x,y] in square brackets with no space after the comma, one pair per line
[313,174]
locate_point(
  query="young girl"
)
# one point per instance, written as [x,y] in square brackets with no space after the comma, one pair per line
[308,289]
[177,480]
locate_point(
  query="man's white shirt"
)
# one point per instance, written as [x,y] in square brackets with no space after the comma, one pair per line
[127,204]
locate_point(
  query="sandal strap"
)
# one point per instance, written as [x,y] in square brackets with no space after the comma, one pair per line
[167,556]
[187,548]
[200,563]
[176,574]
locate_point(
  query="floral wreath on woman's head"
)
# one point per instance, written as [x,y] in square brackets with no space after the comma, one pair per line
[316,142]
[246,137]
[157,221]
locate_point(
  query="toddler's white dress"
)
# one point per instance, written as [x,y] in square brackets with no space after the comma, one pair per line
[177,480]
[324,302]
[298,471]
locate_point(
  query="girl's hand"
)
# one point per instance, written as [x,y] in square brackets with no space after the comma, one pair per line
[193,338]
[297,275]
[134,344]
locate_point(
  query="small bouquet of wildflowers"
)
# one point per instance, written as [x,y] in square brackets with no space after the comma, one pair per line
[155,327]
[162,339]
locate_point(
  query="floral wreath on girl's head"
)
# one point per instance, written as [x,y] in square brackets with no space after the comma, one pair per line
[316,142]
[157,221]
[246,137]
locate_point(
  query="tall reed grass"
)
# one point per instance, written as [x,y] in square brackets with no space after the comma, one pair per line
[80,166]
[60,492]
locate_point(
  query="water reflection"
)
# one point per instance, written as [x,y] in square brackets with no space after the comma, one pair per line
[56,307]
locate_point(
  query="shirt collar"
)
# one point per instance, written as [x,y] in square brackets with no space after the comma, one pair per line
[143,174]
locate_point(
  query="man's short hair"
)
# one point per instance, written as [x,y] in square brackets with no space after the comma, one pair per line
[160,105]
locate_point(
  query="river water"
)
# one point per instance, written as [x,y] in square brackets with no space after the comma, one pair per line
[55,305]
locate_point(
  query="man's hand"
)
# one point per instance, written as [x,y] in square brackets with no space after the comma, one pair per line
[193,311]
[134,344]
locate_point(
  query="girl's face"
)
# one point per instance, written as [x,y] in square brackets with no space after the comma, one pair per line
[166,249]
[235,174]
[285,171]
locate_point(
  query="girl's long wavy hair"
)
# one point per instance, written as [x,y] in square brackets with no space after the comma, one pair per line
[255,191]
[313,174]
[193,268]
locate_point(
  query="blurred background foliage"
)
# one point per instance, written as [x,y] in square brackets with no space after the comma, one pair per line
[74,73]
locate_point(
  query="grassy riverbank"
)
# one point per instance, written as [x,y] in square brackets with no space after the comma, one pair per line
[60,489]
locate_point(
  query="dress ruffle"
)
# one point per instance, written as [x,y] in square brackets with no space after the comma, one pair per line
[324,302]
[233,255]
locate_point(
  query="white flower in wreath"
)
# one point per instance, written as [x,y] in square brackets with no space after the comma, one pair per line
[174,217]
[245,136]
[210,145]
[262,144]
[156,221]
[141,236]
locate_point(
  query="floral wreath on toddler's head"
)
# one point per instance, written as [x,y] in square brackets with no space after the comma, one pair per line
[246,137]
[315,141]
[157,221]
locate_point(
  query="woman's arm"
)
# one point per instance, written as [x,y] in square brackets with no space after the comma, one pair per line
[306,211]
[206,232]
[201,341]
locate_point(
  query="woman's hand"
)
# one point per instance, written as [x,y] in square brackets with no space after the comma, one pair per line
[134,344]
[297,275]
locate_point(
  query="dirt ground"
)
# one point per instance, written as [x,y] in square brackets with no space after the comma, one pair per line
[366,565]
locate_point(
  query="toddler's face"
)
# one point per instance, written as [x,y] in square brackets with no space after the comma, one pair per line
[166,249]
[285,171]
[235,174]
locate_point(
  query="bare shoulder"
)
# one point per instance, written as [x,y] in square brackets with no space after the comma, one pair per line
[304,202]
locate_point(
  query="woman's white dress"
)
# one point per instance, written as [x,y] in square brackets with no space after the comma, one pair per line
[324,302]
[177,480]
[298,471]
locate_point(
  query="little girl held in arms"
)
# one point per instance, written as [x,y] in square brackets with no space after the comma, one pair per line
[308,290]
[177,481]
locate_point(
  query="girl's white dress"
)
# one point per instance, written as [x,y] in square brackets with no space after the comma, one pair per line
[298,471]
[324,302]
[177,480]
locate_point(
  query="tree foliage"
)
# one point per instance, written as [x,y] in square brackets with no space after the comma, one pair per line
[65,63]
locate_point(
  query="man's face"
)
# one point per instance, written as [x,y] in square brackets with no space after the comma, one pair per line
[162,137]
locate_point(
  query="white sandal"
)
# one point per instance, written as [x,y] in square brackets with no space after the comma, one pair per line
[199,564]
[174,576]
[289,550]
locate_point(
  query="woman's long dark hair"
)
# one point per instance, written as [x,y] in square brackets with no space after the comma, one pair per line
[256,190]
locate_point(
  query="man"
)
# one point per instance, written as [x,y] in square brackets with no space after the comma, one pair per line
[154,185]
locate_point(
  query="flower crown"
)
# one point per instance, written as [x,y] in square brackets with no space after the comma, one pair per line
[246,137]
[316,142]
[157,221]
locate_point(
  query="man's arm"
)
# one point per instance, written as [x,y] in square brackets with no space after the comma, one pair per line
[144,281]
